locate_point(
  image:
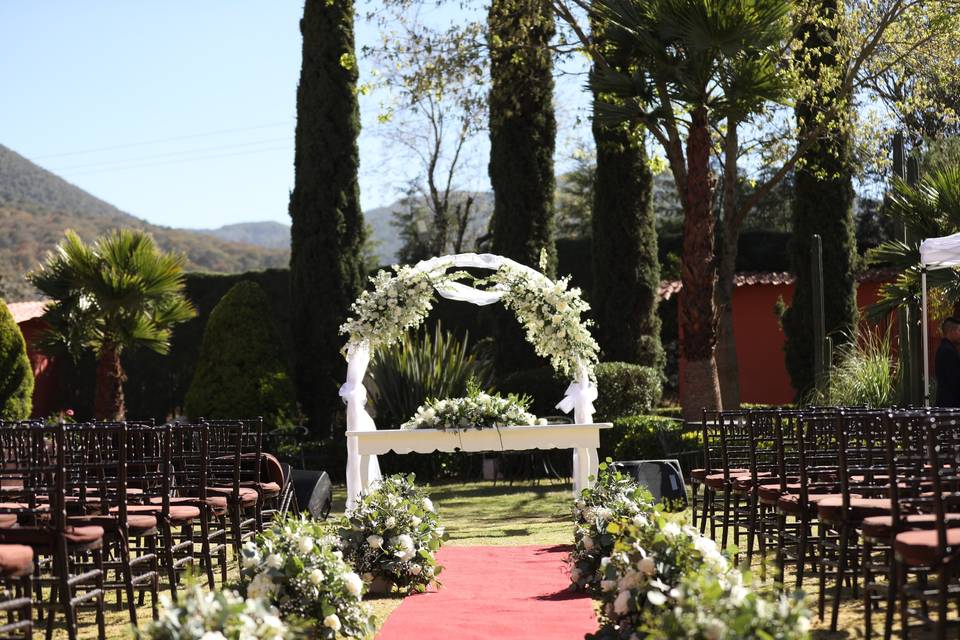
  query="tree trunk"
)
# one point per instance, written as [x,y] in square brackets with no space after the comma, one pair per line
[701,389]
[728,369]
[108,403]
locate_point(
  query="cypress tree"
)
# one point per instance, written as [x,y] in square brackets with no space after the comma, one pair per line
[823,204]
[522,129]
[16,373]
[626,269]
[240,371]
[327,231]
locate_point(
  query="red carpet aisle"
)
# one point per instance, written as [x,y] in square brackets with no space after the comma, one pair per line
[502,593]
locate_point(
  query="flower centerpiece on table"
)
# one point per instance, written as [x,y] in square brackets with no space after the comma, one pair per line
[392,534]
[295,565]
[613,497]
[216,615]
[478,409]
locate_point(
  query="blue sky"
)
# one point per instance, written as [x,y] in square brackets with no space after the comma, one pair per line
[182,111]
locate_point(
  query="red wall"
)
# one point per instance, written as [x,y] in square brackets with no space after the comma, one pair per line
[46,389]
[763,372]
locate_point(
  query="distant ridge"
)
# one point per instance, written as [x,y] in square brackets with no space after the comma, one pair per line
[37,206]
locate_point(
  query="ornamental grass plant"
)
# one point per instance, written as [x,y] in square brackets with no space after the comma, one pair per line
[392,535]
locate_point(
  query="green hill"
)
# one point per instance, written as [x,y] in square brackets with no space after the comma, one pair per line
[37,206]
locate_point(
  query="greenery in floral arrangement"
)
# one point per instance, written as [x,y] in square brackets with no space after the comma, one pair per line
[216,615]
[294,564]
[709,607]
[477,410]
[614,497]
[392,534]
[664,580]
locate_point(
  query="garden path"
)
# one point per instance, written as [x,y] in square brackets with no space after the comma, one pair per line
[498,592]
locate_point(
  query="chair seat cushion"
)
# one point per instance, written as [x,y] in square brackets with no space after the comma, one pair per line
[179,513]
[697,475]
[770,493]
[269,489]
[217,503]
[719,480]
[137,524]
[248,496]
[16,560]
[831,509]
[880,527]
[921,548]
[743,484]
[790,503]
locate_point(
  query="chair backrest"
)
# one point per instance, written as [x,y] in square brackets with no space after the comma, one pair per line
[150,463]
[189,457]
[943,470]
[95,468]
[817,452]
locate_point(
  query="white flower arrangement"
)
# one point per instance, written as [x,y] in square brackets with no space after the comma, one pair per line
[477,410]
[392,535]
[549,311]
[294,564]
[219,615]
[665,580]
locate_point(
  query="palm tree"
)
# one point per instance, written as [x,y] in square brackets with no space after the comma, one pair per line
[930,209]
[119,293]
[693,65]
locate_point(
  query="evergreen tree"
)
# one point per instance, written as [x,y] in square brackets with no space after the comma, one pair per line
[823,204]
[327,232]
[16,374]
[522,129]
[240,371]
[626,269]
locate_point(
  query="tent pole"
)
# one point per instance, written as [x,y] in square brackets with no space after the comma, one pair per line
[926,337]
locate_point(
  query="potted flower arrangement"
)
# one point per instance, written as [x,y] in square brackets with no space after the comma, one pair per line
[217,615]
[391,536]
[614,497]
[478,409]
[295,566]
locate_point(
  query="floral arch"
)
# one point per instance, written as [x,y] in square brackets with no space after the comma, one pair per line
[549,311]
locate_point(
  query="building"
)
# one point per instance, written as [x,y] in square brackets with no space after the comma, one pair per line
[46,390]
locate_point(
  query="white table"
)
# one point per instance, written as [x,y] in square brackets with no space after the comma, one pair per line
[584,439]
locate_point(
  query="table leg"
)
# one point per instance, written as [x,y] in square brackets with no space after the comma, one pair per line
[364,473]
[593,465]
[581,469]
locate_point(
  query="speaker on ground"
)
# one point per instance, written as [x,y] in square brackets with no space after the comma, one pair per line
[663,478]
[314,492]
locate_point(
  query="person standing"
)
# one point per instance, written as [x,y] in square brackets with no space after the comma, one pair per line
[948,364]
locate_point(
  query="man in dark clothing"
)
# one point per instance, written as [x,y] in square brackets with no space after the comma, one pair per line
[948,365]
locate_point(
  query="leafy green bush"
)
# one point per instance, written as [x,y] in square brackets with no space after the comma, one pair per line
[641,437]
[423,365]
[624,389]
[865,373]
[16,374]
[240,373]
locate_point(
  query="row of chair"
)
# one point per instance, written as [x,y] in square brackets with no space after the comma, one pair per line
[867,499]
[128,507]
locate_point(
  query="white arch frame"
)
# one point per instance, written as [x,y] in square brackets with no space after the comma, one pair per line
[579,396]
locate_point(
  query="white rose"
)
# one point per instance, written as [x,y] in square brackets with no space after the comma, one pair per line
[415,521]
[332,622]
[274,561]
[803,624]
[390,523]
[375,541]
[639,520]
[622,604]
[305,545]
[316,577]
[407,549]
[656,598]
[428,504]
[737,595]
[714,630]
[671,529]
[353,583]
[213,635]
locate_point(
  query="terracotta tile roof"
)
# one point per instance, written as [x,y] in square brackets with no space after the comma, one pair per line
[668,288]
[23,311]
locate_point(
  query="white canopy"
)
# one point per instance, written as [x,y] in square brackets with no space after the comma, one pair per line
[940,253]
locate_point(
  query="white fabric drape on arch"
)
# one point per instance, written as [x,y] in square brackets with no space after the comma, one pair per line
[579,396]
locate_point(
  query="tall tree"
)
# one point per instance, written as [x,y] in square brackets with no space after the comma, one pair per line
[118,294]
[822,204]
[626,269]
[523,129]
[16,372]
[327,231]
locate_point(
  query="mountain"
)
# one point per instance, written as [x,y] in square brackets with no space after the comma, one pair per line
[37,206]
[271,235]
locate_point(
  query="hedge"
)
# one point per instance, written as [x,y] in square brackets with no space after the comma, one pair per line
[16,373]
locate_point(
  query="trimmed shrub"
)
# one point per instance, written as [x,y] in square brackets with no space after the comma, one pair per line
[624,389]
[241,372]
[16,374]
[641,437]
